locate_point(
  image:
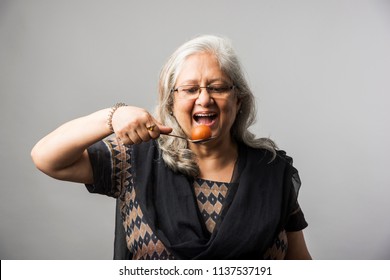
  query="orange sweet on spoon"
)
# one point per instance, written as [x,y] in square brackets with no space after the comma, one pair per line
[200,132]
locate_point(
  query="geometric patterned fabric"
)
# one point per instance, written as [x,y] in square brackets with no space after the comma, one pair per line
[210,196]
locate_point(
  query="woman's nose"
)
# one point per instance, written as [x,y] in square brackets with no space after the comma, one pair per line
[204,99]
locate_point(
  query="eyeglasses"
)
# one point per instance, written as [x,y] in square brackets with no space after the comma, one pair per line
[193,91]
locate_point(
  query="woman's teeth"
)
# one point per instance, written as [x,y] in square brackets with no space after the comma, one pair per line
[204,118]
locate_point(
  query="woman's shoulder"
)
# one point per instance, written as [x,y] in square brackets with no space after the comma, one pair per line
[282,155]
[269,155]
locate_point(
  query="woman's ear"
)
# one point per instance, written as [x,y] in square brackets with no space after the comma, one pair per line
[238,106]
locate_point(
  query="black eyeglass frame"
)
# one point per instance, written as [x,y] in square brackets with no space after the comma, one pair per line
[227,88]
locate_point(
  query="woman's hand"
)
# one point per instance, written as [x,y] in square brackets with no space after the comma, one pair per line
[133,125]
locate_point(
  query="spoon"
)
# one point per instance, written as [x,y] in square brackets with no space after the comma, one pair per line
[197,141]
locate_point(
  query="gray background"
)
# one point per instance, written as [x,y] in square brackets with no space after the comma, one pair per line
[320,71]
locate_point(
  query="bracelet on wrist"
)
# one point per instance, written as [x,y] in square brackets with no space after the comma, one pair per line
[111,114]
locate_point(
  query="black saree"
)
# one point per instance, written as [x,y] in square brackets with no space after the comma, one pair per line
[257,205]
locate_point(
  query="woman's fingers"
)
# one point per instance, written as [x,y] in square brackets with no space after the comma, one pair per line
[134,125]
[156,128]
[134,138]
[163,129]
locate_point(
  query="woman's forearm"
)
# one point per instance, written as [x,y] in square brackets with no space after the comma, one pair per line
[66,145]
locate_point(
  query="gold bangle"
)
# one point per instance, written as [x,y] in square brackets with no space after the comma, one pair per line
[111,114]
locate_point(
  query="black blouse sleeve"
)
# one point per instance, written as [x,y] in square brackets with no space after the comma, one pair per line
[108,160]
[295,219]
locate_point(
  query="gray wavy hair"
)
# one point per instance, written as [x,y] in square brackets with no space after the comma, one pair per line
[175,151]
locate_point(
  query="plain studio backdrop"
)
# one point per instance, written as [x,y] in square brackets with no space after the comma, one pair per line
[320,71]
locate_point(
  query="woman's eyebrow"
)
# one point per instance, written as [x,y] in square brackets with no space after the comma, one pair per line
[216,80]
[190,82]
[196,82]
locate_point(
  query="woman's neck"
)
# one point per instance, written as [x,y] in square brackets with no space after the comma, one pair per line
[216,160]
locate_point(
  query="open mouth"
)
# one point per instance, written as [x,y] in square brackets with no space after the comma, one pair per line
[205,118]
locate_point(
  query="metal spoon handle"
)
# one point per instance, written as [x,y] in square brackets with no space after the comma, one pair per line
[192,141]
[173,135]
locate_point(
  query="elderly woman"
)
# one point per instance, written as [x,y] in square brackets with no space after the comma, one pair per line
[231,197]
